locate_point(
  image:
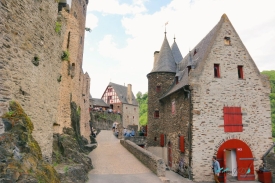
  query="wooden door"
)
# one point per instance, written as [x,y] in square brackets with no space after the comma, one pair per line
[169,154]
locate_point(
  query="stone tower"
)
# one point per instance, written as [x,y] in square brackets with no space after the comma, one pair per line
[159,80]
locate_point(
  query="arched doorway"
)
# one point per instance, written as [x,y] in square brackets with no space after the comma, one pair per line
[236,156]
[169,154]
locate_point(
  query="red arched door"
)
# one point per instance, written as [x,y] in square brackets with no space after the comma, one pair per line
[169,154]
[244,160]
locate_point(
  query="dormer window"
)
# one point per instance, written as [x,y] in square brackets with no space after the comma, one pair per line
[176,79]
[195,51]
[189,68]
[227,41]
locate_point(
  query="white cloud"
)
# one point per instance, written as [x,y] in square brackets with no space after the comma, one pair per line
[253,20]
[114,7]
[91,21]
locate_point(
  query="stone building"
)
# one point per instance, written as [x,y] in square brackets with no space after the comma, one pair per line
[212,102]
[122,100]
[33,36]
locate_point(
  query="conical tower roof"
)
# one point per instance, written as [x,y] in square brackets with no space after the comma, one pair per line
[166,61]
[176,52]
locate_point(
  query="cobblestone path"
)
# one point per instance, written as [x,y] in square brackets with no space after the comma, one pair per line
[113,163]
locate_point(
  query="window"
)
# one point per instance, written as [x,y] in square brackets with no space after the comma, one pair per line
[109,89]
[161,140]
[173,107]
[216,70]
[109,98]
[240,71]
[177,79]
[156,114]
[73,70]
[81,40]
[68,40]
[133,117]
[158,88]
[227,41]
[195,51]
[232,119]
[189,68]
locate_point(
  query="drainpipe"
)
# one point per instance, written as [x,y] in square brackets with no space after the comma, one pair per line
[189,129]
[265,154]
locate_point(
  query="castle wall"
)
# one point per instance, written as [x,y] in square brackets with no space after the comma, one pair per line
[27,31]
[28,37]
[210,95]
[175,124]
[75,85]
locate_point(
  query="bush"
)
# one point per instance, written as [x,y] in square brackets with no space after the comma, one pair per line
[65,55]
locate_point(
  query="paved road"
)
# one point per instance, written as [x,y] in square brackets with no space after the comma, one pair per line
[113,163]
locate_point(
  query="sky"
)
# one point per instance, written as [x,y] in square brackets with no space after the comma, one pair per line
[126,33]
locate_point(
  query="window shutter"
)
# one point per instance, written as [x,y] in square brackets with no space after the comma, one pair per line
[226,119]
[232,119]
[238,119]
[162,140]
[181,143]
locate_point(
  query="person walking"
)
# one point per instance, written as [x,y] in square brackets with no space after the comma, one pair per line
[216,168]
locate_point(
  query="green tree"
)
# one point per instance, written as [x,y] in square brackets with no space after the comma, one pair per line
[271,75]
[143,107]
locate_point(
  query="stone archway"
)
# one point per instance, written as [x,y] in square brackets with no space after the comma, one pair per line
[244,159]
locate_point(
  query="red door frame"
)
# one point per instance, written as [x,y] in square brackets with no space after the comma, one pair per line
[224,165]
[244,157]
[169,154]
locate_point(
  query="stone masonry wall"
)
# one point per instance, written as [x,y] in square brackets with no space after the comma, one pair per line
[164,80]
[75,85]
[84,102]
[154,163]
[130,115]
[210,95]
[176,124]
[27,34]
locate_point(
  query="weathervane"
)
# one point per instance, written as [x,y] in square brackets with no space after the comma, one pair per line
[165,27]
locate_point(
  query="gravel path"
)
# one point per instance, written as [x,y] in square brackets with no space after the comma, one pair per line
[113,163]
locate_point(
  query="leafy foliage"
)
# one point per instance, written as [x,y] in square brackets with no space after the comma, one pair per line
[58,27]
[65,55]
[143,107]
[271,75]
[88,29]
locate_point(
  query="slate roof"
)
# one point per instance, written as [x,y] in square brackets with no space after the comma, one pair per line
[121,92]
[166,61]
[99,102]
[202,48]
[176,52]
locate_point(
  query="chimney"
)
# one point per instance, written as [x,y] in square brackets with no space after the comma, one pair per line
[129,94]
[156,57]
